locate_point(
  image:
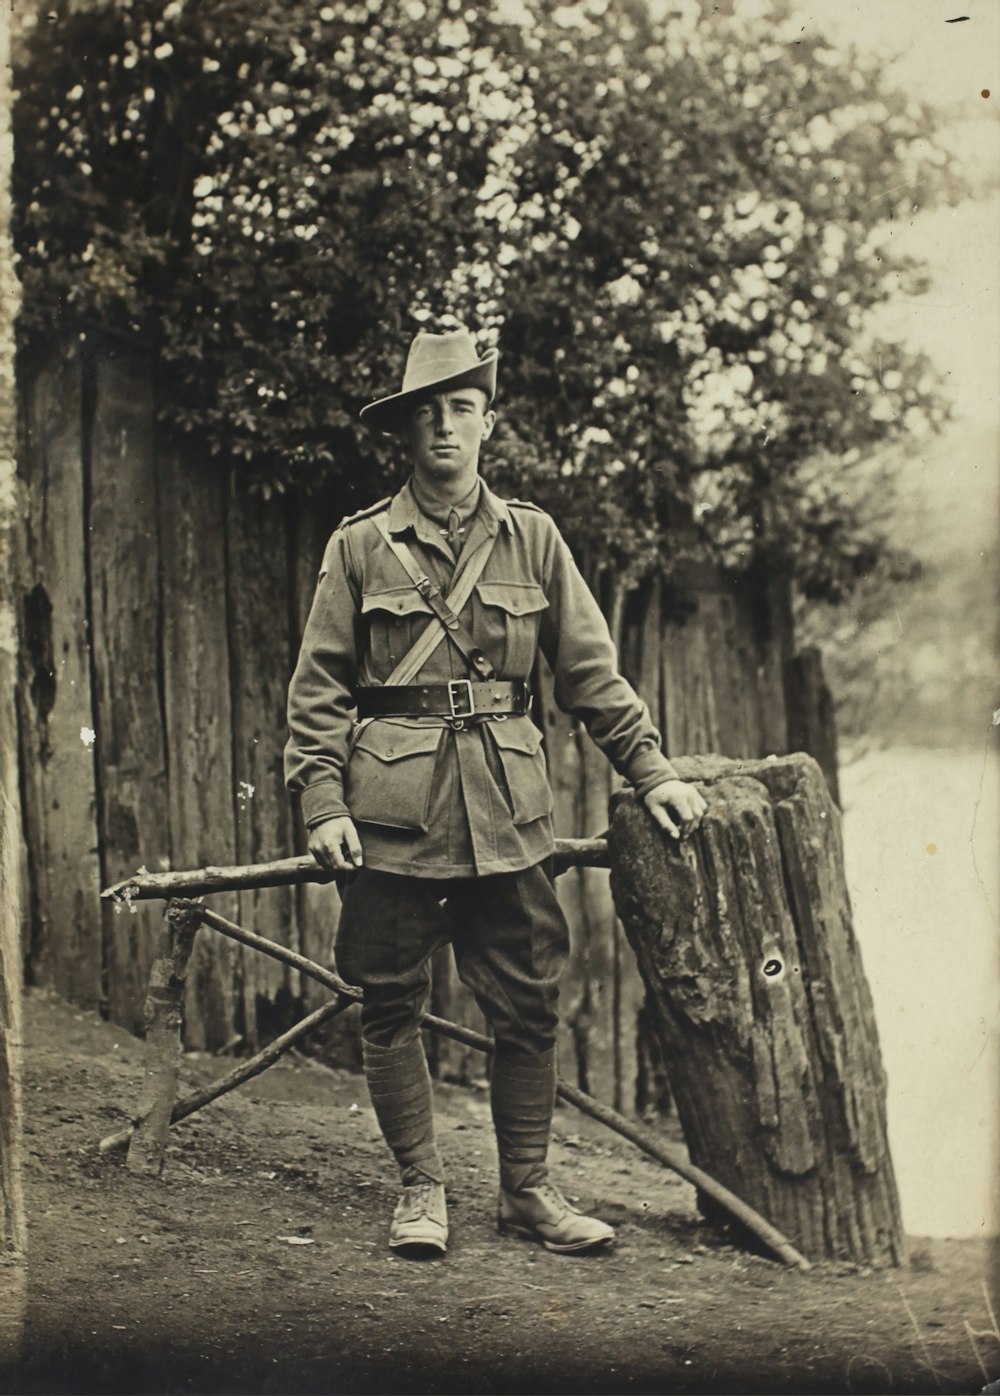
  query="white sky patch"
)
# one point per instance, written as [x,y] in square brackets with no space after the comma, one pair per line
[88,736]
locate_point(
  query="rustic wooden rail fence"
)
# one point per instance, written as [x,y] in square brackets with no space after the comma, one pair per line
[744,941]
[159,1107]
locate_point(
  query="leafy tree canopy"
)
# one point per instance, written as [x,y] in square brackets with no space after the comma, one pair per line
[673,228]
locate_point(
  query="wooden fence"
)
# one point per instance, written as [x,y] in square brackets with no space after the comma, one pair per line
[161,612]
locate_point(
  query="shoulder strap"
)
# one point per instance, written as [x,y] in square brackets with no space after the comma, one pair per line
[367,512]
[444,608]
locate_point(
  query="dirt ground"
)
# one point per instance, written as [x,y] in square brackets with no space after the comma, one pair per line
[258,1262]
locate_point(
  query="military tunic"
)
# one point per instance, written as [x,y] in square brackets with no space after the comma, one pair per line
[429,800]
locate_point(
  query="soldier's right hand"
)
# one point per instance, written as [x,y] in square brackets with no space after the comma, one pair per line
[335,845]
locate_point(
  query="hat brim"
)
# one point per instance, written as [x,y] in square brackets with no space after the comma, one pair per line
[388,414]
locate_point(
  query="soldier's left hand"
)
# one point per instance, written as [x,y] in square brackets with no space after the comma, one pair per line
[676,806]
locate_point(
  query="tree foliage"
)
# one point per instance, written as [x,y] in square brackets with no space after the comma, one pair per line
[673,228]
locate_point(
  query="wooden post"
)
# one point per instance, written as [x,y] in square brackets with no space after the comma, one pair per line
[163,1014]
[240,1074]
[744,939]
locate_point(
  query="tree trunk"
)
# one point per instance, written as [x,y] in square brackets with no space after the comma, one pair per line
[744,939]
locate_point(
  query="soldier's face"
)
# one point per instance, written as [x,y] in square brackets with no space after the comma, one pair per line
[446,430]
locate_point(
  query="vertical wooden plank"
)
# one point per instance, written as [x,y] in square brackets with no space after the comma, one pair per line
[199,733]
[777,643]
[649,639]
[684,676]
[598,915]
[811,721]
[13,1228]
[636,1086]
[563,758]
[55,707]
[317,907]
[721,647]
[260,647]
[133,817]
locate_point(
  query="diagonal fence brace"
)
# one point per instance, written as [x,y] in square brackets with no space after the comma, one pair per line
[644,1139]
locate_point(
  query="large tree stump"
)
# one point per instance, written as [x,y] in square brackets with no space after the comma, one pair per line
[744,939]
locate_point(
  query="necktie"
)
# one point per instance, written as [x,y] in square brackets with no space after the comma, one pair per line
[455,535]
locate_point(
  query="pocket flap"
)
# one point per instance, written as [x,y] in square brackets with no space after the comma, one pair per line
[516,598]
[516,734]
[399,601]
[390,741]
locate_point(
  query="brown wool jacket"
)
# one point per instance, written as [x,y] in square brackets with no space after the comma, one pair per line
[428,799]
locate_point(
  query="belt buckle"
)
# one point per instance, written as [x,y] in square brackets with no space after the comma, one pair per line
[457,686]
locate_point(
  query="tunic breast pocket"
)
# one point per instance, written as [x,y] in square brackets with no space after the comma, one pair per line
[396,616]
[510,614]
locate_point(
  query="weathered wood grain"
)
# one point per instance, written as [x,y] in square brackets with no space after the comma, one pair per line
[56,709]
[13,1224]
[260,645]
[744,938]
[133,814]
[812,724]
[198,719]
[317,906]
[162,1013]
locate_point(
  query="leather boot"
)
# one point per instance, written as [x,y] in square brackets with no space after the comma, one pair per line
[420,1221]
[542,1214]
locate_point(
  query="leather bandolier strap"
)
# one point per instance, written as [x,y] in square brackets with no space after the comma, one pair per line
[431,592]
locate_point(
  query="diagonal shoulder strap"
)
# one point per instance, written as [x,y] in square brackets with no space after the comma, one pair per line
[444,608]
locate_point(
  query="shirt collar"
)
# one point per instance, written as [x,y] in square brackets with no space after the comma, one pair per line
[404,511]
[440,511]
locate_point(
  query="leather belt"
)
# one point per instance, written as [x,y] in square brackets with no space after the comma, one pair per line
[456,699]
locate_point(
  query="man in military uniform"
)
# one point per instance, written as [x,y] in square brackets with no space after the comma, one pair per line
[420,771]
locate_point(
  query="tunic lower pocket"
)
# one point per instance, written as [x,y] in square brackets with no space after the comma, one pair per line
[390,774]
[518,744]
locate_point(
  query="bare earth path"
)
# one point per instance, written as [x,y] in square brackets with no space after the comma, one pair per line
[258,1262]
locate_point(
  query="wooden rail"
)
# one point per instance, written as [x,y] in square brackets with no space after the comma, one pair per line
[288,872]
